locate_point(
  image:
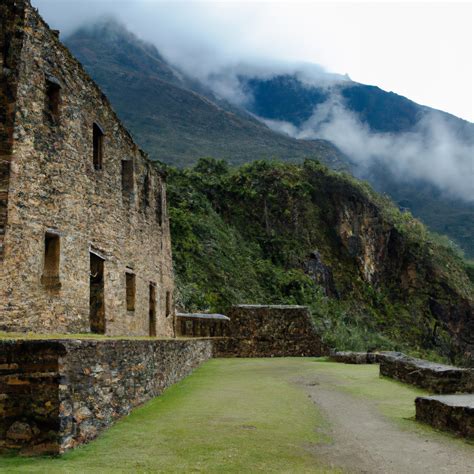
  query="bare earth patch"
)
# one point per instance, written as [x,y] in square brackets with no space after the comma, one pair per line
[363,440]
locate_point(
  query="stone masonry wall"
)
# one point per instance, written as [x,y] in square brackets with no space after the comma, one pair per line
[270,331]
[11,37]
[437,378]
[58,394]
[453,413]
[54,187]
[193,326]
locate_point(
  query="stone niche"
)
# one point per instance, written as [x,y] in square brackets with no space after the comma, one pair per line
[58,394]
[270,331]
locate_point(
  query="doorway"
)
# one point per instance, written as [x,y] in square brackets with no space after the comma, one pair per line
[152,310]
[97,303]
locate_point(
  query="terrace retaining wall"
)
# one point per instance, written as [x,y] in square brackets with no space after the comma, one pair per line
[57,394]
[453,413]
[270,331]
[437,378]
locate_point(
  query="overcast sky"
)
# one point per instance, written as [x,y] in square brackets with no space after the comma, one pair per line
[422,50]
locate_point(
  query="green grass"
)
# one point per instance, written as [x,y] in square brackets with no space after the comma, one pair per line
[231,415]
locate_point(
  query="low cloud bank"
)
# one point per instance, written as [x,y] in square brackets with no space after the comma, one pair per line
[432,151]
[435,151]
[226,81]
[215,45]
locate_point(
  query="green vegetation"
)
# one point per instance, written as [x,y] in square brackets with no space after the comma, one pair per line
[178,120]
[231,415]
[244,235]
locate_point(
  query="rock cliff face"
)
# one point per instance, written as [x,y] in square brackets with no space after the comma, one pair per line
[365,236]
[403,265]
[320,238]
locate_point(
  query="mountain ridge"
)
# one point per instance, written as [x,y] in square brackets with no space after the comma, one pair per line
[173,117]
[178,119]
[282,233]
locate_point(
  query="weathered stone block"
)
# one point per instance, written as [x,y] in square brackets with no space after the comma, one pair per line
[355,357]
[453,413]
[437,378]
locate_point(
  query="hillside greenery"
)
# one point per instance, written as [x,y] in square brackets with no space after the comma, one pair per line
[243,235]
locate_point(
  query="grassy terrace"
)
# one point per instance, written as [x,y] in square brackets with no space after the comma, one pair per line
[231,415]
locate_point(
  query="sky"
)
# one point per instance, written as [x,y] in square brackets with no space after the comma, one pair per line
[422,50]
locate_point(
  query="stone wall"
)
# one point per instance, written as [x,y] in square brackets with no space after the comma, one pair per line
[57,394]
[454,413]
[10,41]
[270,331]
[437,378]
[201,325]
[349,357]
[52,183]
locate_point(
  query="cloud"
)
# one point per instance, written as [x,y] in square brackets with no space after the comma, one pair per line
[216,42]
[226,81]
[362,38]
[431,152]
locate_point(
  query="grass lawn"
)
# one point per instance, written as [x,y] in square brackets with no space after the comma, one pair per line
[231,415]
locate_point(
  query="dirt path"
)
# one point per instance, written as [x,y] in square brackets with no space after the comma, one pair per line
[364,441]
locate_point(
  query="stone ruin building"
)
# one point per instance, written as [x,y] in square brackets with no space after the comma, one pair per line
[85,247]
[84,232]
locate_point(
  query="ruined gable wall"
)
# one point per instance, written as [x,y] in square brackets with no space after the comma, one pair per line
[11,40]
[54,186]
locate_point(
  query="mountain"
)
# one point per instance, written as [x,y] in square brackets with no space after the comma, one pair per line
[178,119]
[173,117]
[289,99]
[274,232]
